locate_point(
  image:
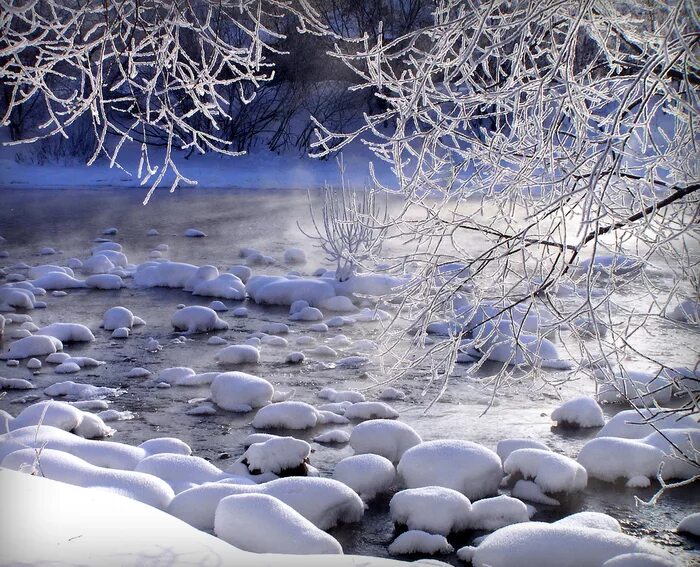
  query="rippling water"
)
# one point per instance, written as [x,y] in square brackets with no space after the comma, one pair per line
[70,220]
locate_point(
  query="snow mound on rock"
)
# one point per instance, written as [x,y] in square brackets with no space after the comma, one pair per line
[240,392]
[68,332]
[238,354]
[286,415]
[579,412]
[416,541]
[388,438]
[277,454]
[368,475]
[27,347]
[433,509]
[197,319]
[550,471]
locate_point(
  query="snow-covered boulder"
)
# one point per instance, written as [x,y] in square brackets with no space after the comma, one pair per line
[467,467]
[552,545]
[163,274]
[371,410]
[197,319]
[610,458]
[279,455]
[294,256]
[238,354]
[243,273]
[15,384]
[368,475]
[180,471]
[68,332]
[58,280]
[286,415]
[491,514]
[105,281]
[388,438]
[117,317]
[506,446]
[636,387]
[226,286]
[27,347]
[240,392]
[433,509]
[322,501]
[687,311]
[579,412]
[263,524]
[307,314]
[193,233]
[690,524]
[273,290]
[98,264]
[333,436]
[12,298]
[634,424]
[595,520]
[417,541]
[550,471]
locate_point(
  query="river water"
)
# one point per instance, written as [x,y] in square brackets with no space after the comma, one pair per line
[70,220]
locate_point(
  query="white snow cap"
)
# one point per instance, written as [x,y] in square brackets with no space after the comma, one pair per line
[491,514]
[434,509]
[333,436]
[579,412]
[197,319]
[416,541]
[277,454]
[371,410]
[553,545]
[467,467]
[238,354]
[68,332]
[632,424]
[506,446]
[388,438]
[550,471]
[263,524]
[286,415]
[117,317]
[690,524]
[368,475]
[240,392]
[27,347]
[294,256]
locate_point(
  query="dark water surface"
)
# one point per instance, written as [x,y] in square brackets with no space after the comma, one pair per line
[70,220]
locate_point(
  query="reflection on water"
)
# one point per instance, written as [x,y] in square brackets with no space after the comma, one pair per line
[69,220]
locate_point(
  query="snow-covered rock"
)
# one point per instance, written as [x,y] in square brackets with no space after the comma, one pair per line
[610,458]
[68,332]
[15,384]
[690,524]
[433,509]
[307,314]
[286,415]
[27,347]
[197,319]
[275,290]
[687,311]
[58,280]
[333,436]
[368,475]
[117,317]
[294,256]
[322,501]
[121,333]
[371,410]
[263,524]
[635,424]
[579,412]
[104,281]
[595,520]
[163,274]
[552,545]
[226,286]
[75,391]
[390,394]
[240,392]
[193,233]
[180,471]
[276,455]
[491,514]
[550,471]
[388,438]
[416,541]
[238,354]
[467,467]
[506,446]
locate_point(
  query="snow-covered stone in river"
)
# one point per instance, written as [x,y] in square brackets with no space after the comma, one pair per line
[238,354]
[104,281]
[550,471]
[677,445]
[58,280]
[68,367]
[579,412]
[46,251]
[193,233]
[553,545]
[390,394]
[271,328]
[491,514]
[70,469]
[687,311]
[307,314]
[294,256]
[368,475]
[528,490]
[333,395]
[633,386]
[240,392]
[34,364]
[286,415]
[640,560]
[333,436]
[98,264]
[295,357]
[633,424]
[274,341]
[12,298]
[216,341]
[68,332]
[338,304]
[467,467]
[277,290]
[318,328]
[434,509]
[276,455]
[610,458]
[151,232]
[506,446]
[197,319]
[27,347]
[170,445]
[690,524]
[371,410]
[164,274]
[263,524]
[352,362]
[226,286]
[595,520]
[15,384]
[240,312]
[417,541]
[138,372]
[323,350]
[243,273]
[117,317]
[121,333]
[388,438]
[218,306]
[76,391]
[180,471]
[322,501]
